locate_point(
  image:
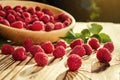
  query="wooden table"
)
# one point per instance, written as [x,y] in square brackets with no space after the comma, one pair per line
[57,69]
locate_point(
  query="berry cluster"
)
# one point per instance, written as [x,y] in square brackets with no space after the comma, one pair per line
[35,19]
[74,61]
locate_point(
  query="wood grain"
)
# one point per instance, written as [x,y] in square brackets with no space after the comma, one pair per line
[57,68]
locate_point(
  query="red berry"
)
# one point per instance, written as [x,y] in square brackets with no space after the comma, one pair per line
[31,10]
[5,22]
[58,25]
[1,19]
[67,22]
[17,24]
[11,18]
[103,55]
[28,27]
[35,18]
[40,14]
[35,48]
[62,17]
[27,17]
[37,8]
[37,26]
[76,42]
[2,13]
[94,43]
[19,54]
[0,7]
[45,18]
[47,11]
[109,46]
[79,50]
[59,52]
[88,49]
[28,43]
[74,62]
[61,43]
[6,8]
[41,58]
[24,8]
[48,47]
[49,26]
[7,49]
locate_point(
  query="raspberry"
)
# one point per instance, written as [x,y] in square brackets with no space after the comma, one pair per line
[7,49]
[58,25]
[48,47]
[67,22]
[62,17]
[59,52]
[76,42]
[0,7]
[19,9]
[37,8]
[1,19]
[18,18]
[5,22]
[6,8]
[88,49]
[61,43]
[37,26]
[74,62]
[40,14]
[11,18]
[109,46]
[27,17]
[19,54]
[49,26]
[45,18]
[103,55]
[47,11]
[94,43]
[27,44]
[28,27]
[41,58]
[31,10]
[52,19]
[2,13]
[35,48]
[18,6]
[17,24]
[24,8]
[79,50]
[34,18]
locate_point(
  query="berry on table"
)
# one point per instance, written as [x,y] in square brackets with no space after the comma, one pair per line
[109,46]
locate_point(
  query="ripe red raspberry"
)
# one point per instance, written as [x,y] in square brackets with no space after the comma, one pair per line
[103,55]
[17,24]
[45,18]
[88,49]
[6,8]
[49,26]
[27,17]
[1,7]
[109,46]
[76,42]
[2,13]
[28,43]
[59,52]
[37,8]
[34,18]
[31,10]
[37,26]
[74,62]
[19,54]
[40,14]
[35,48]
[79,50]
[61,43]
[47,11]
[5,22]
[94,43]
[28,27]
[58,25]
[24,8]
[7,49]
[67,22]
[1,19]
[41,58]
[62,17]
[48,47]
[11,18]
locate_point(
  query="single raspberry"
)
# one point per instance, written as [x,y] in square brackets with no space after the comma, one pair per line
[27,17]
[17,24]
[94,43]
[103,55]
[47,11]
[76,42]
[37,26]
[49,26]
[47,46]
[52,19]
[67,22]
[59,52]
[2,13]
[7,49]
[18,6]
[28,27]
[11,18]
[109,46]
[28,43]
[6,8]
[40,14]
[37,8]
[58,25]
[45,18]
[1,7]
[74,62]
[19,54]
[24,8]
[41,58]
[35,48]
[5,22]
[61,43]
[19,10]
[62,17]
[1,19]
[34,18]
[18,18]
[87,48]
[31,10]
[79,50]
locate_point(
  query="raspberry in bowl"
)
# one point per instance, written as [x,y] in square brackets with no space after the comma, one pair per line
[27,19]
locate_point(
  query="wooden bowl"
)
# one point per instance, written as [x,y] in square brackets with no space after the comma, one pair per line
[19,35]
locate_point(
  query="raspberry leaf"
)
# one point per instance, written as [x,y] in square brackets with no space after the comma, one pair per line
[105,37]
[95,28]
[85,32]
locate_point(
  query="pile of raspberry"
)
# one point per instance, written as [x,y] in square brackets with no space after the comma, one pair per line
[35,19]
[58,50]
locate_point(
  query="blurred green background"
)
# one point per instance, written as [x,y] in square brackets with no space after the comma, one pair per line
[89,10]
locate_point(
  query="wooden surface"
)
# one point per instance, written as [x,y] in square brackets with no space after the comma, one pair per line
[57,70]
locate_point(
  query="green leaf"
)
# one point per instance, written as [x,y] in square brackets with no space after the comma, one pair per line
[85,32]
[71,34]
[68,40]
[95,28]
[97,36]
[105,37]
[2,41]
